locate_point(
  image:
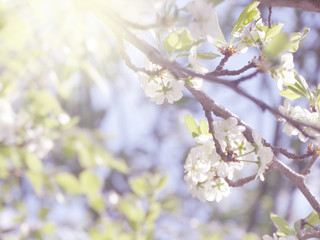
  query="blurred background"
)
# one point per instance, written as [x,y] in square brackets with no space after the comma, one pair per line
[89,157]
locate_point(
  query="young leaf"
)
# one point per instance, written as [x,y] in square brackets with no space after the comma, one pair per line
[295,39]
[282,225]
[177,41]
[313,218]
[271,32]
[288,93]
[204,126]
[192,126]
[139,186]
[33,163]
[249,14]
[68,182]
[36,180]
[207,56]
[276,46]
[89,182]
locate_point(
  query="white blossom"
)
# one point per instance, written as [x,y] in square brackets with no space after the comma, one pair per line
[198,163]
[161,87]
[284,73]
[204,24]
[216,189]
[265,156]
[228,130]
[302,115]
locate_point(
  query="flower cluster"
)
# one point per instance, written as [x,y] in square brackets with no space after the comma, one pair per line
[205,170]
[302,115]
[249,37]
[204,24]
[162,86]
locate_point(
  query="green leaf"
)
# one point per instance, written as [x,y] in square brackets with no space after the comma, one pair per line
[162,182]
[139,186]
[90,183]
[282,225]
[68,182]
[215,2]
[251,236]
[297,226]
[313,219]
[276,46]
[288,93]
[192,125]
[207,55]
[273,31]
[134,214]
[33,163]
[42,103]
[249,14]
[177,41]
[36,180]
[97,202]
[48,228]
[295,39]
[204,128]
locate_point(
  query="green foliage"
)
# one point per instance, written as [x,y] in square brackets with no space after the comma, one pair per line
[194,128]
[68,182]
[276,46]
[177,41]
[249,14]
[283,228]
[273,31]
[296,38]
[207,55]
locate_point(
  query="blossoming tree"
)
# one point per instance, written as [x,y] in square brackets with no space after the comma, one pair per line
[187,52]
[227,145]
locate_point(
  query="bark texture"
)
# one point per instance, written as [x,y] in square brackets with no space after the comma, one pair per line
[306,5]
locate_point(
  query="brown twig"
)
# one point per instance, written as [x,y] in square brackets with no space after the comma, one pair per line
[288,154]
[310,164]
[227,72]
[215,140]
[240,182]
[269,16]
[244,78]
[223,61]
[128,62]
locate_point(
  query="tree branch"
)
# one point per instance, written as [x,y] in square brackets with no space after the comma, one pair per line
[306,5]
[299,181]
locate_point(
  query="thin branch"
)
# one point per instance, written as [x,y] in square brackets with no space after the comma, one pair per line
[306,5]
[240,182]
[269,17]
[310,164]
[227,72]
[299,181]
[215,140]
[223,61]
[244,78]
[129,64]
[288,154]
[305,234]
